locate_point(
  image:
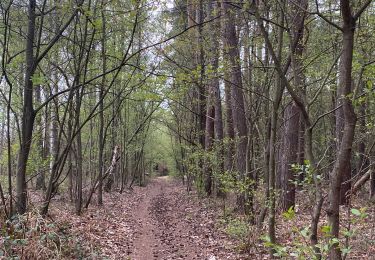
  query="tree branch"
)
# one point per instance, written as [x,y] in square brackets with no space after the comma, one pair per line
[362,9]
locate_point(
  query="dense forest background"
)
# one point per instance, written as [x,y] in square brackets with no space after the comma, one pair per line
[265,107]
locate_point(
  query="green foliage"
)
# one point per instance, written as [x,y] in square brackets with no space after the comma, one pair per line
[300,247]
[306,171]
[289,214]
[159,147]
[38,79]
[237,228]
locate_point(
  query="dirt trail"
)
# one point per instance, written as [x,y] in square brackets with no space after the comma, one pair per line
[145,240]
[159,221]
[169,225]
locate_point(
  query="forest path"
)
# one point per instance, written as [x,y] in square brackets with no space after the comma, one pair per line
[169,224]
[145,241]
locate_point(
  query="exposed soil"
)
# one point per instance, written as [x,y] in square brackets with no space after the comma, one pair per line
[174,226]
[159,221]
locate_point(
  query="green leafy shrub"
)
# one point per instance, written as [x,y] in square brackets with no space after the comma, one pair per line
[237,228]
[300,248]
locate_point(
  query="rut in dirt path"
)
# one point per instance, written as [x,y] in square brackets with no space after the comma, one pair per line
[169,225]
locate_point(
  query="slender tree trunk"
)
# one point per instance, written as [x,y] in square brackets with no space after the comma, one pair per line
[301,146]
[201,86]
[209,139]
[9,151]
[343,158]
[229,167]
[78,202]
[40,180]
[363,161]
[212,103]
[54,127]
[267,126]
[28,114]
[229,130]
[272,144]
[218,121]
[340,121]
[101,113]
[71,188]
[372,174]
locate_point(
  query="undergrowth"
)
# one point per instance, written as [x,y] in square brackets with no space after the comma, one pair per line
[236,228]
[30,236]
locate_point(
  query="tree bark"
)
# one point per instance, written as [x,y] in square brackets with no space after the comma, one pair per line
[79,156]
[28,114]
[343,158]
[213,118]
[230,45]
[40,179]
[340,121]
[101,113]
[218,121]
[289,151]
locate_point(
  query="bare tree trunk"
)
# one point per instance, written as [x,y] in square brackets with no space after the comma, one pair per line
[343,158]
[78,202]
[2,197]
[230,40]
[212,103]
[101,113]
[229,130]
[293,141]
[218,121]
[28,114]
[9,151]
[363,161]
[340,121]
[272,143]
[54,126]
[209,143]
[228,109]
[70,159]
[372,175]
[201,85]
[289,155]
[301,146]
[109,171]
[40,180]
[267,126]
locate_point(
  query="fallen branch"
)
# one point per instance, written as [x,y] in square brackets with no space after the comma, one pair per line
[365,177]
[109,172]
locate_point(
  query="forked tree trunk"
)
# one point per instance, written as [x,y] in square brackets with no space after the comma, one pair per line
[293,141]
